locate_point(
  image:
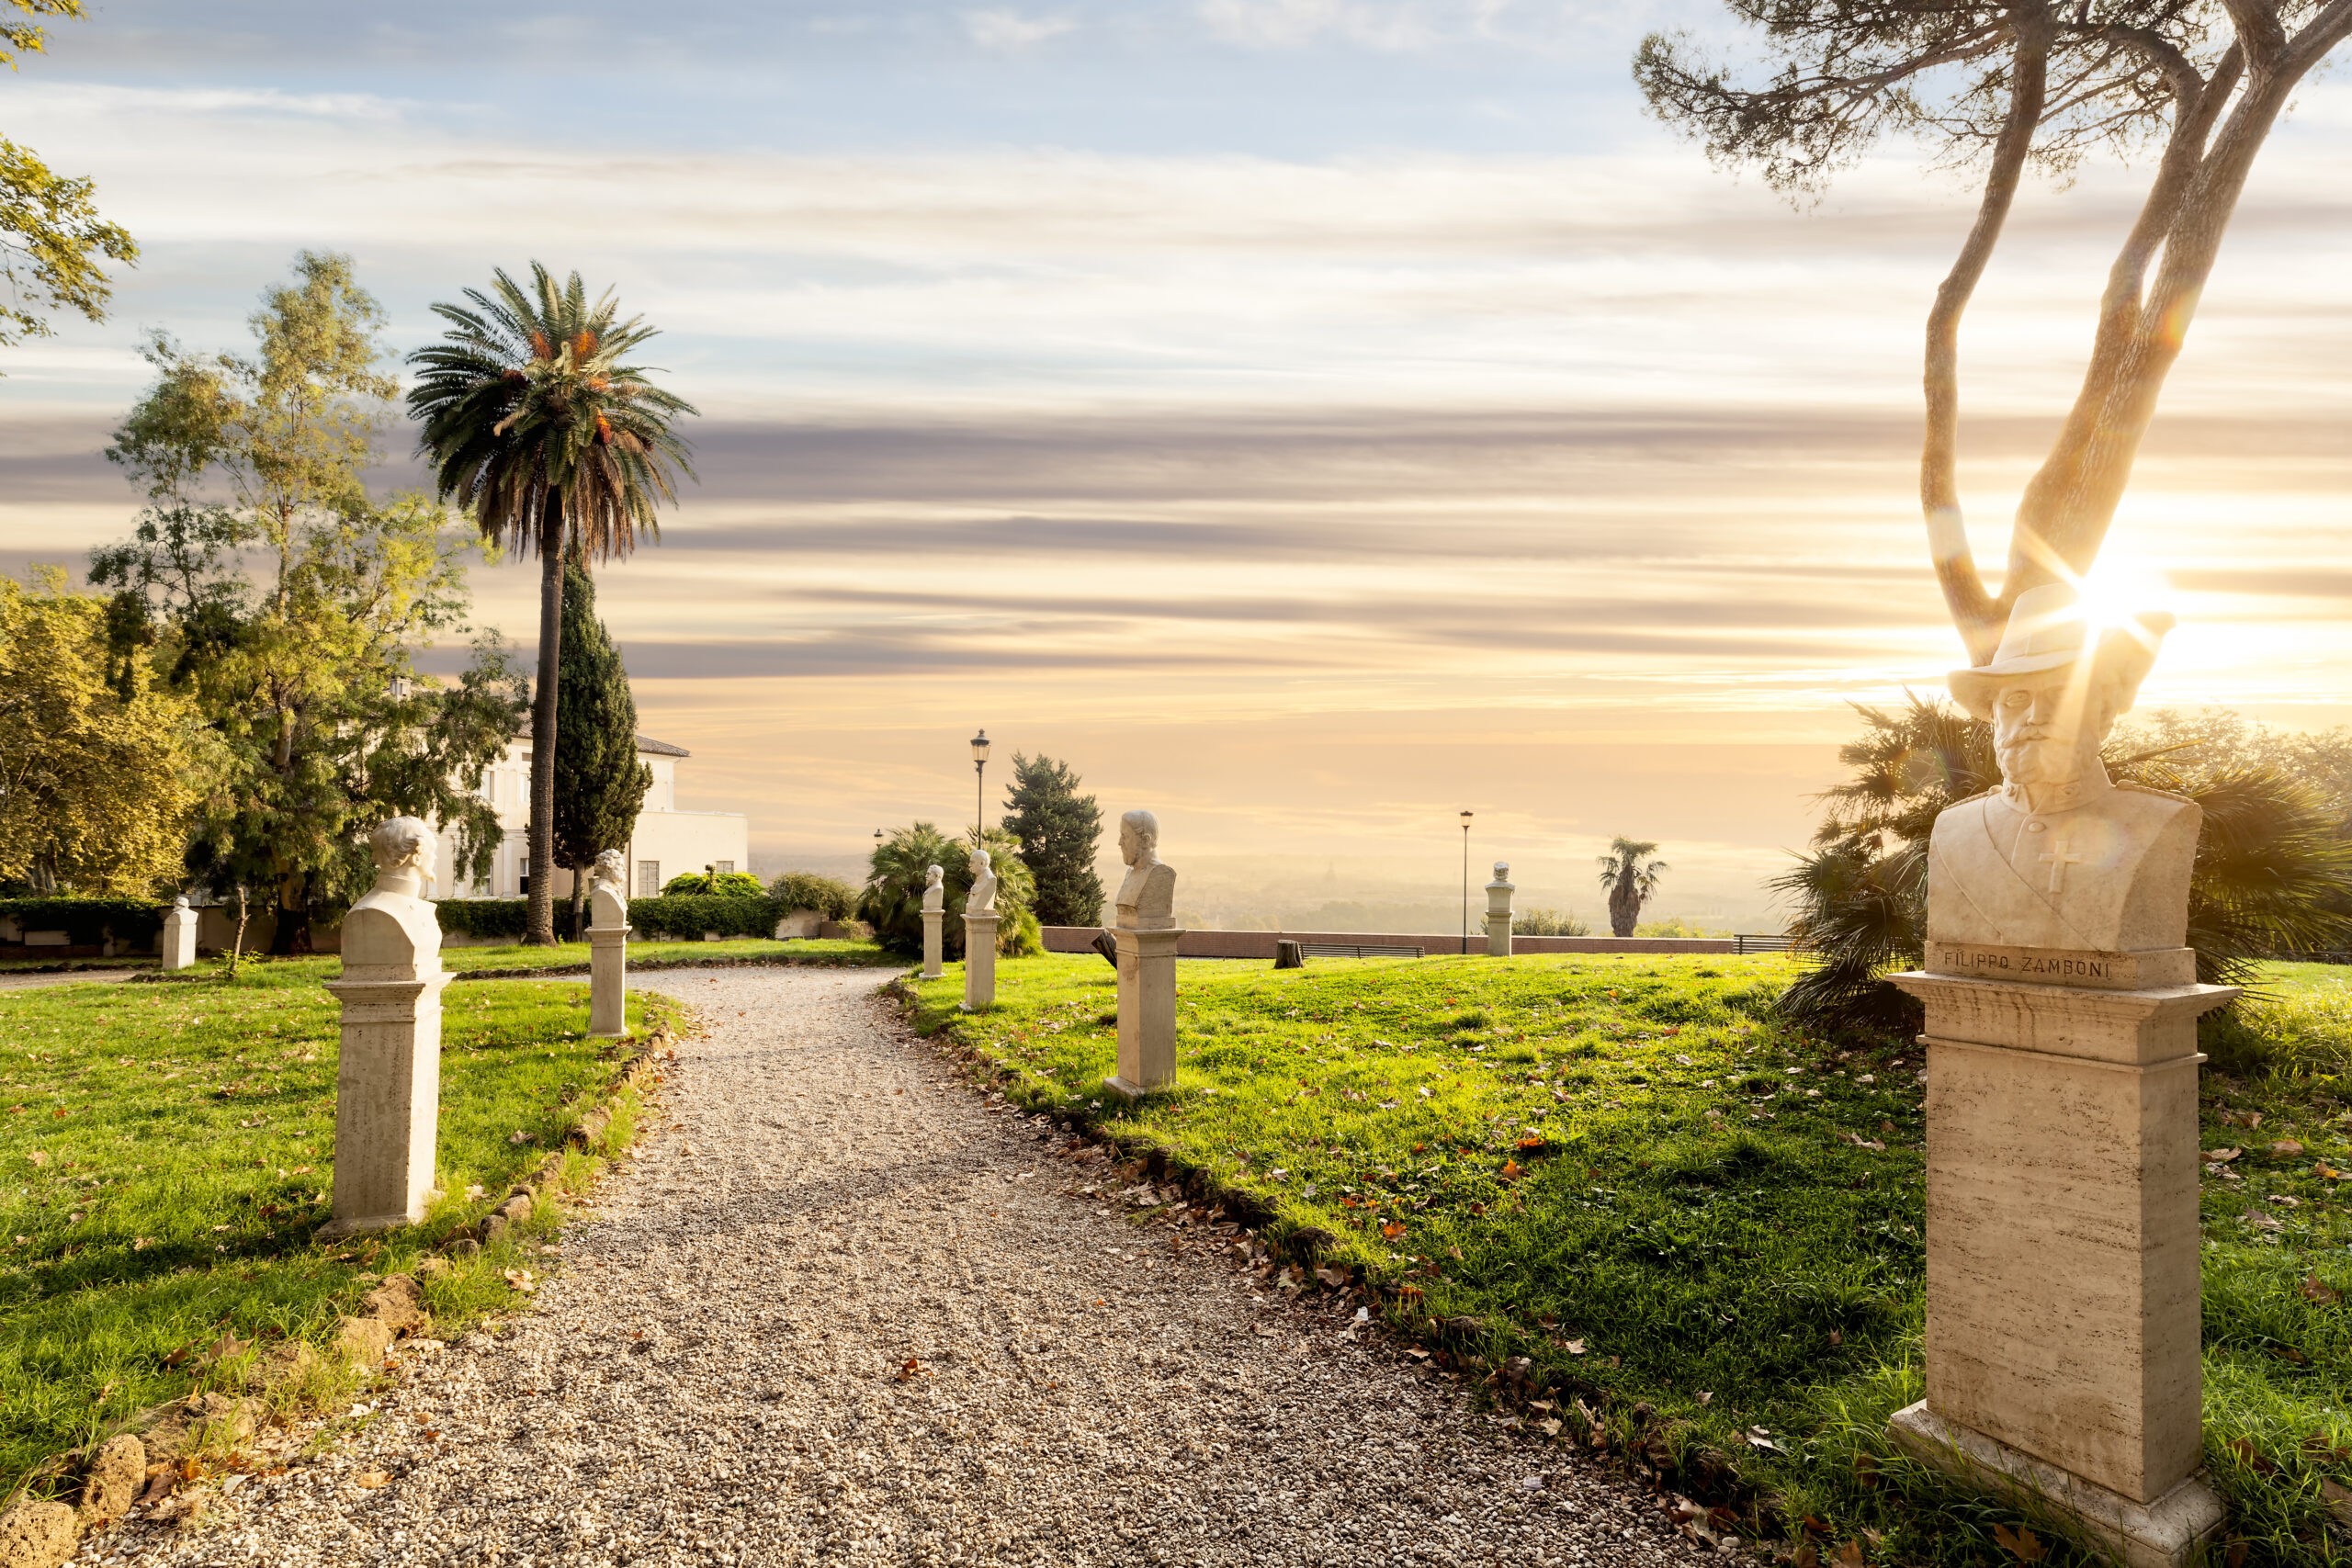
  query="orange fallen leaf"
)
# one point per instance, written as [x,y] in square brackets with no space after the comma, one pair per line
[372,1478]
[912,1368]
[1392,1230]
[1510,1170]
[2020,1543]
[2316,1290]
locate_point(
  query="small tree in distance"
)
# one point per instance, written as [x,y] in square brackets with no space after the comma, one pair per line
[1057,828]
[2008,85]
[1629,874]
[599,782]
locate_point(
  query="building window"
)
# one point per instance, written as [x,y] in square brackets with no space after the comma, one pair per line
[649,878]
[723,867]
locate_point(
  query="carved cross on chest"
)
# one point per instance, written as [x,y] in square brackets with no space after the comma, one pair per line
[2060,855]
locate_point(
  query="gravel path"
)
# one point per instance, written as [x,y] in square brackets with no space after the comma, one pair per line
[845,1309]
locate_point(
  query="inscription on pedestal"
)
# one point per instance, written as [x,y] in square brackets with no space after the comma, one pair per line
[2064,967]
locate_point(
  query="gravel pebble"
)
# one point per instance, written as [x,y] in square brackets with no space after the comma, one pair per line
[844,1309]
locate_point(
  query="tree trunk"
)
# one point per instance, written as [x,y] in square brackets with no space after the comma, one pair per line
[291,936]
[539,925]
[1624,906]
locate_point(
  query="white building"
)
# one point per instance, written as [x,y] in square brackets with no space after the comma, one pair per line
[664,842]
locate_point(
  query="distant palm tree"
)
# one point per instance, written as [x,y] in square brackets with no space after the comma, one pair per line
[1629,877]
[534,425]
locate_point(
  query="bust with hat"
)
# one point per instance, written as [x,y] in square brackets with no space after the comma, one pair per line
[2060,856]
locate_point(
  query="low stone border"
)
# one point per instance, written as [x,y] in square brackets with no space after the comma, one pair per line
[161,1449]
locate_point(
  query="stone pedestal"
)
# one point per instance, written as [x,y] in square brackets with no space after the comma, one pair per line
[1498,894]
[387,1099]
[2062,1299]
[608,981]
[1147,1010]
[179,937]
[932,921]
[980,962]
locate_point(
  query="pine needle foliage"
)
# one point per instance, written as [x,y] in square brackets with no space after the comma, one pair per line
[599,783]
[1057,828]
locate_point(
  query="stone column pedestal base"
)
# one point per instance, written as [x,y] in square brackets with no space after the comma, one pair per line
[388,1101]
[608,982]
[2167,1533]
[980,962]
[1147,962]
[931,936]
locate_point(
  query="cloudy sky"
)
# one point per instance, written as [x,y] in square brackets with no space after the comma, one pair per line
[1309,417]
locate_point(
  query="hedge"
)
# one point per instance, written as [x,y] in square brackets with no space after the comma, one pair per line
[486,917]
[684,917]
[86,922]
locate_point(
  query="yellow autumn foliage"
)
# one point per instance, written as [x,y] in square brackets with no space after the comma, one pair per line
[96,788]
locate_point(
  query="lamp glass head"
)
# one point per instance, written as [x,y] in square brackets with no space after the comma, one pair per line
[980,746]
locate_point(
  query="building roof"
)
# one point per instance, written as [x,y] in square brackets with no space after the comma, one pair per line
[652,748]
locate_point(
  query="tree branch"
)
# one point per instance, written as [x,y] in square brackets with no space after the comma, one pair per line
[2261,37]
[2321,34]
[1974,611]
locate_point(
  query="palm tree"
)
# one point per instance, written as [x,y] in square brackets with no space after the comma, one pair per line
[1629,877]
[534,424]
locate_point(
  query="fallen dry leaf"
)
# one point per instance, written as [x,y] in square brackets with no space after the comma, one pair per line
[2222,1157]
[1850,1554]
[2314,1289]
[912,1368]
[2339,1502]
[372,1478]
[1574,1347]
[2020,1543]
[2287,1148]
[1511,1171]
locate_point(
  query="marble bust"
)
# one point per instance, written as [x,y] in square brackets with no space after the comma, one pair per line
[607,891]
[394,926]
[2059,856]
[982,901]
[934,889]
[1146,900]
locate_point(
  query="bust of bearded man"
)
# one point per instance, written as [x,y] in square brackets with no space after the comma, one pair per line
[2060,856]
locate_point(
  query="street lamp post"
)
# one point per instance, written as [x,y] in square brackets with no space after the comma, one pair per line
[980,787]
[1466,882]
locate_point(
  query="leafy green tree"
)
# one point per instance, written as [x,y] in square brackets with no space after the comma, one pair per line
[53,244]
[265,580]
[97,785]
[2273,873]
[1630,874]
[2003,86]
[600,785]
[539,425]
[892,902]
[1057,828]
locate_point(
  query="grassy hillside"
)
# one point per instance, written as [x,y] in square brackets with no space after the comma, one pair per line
[1703,1224]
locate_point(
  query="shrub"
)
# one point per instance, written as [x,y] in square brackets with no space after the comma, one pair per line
[2273,873]
[86,921]
[709,882]
[505,917]
[828,896]
[892,902]
[1541,922]
[685,916]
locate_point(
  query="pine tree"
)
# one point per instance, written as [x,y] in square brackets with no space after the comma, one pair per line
[1056,826]
[599,782]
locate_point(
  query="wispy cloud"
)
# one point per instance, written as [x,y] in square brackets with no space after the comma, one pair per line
[1011,31]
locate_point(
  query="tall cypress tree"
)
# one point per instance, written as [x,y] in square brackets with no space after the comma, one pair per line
[599,782]
[1056,826]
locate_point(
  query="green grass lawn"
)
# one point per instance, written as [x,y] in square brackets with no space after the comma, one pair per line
[1703,1223]
[166,1152]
